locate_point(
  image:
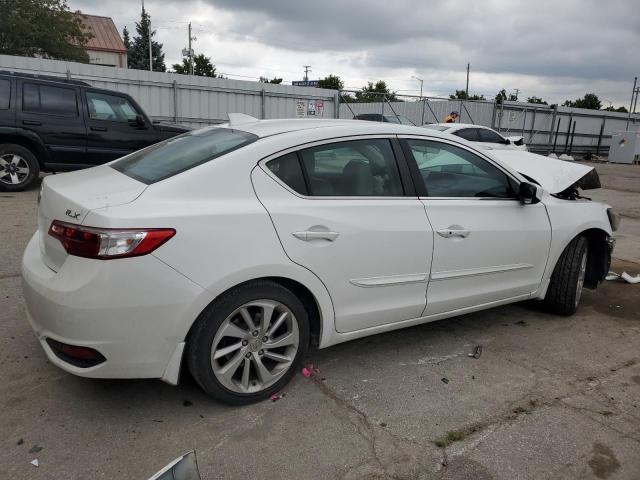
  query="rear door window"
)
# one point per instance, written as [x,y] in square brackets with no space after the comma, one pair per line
[49,100]
[352,169]
[181,153]
[5,94]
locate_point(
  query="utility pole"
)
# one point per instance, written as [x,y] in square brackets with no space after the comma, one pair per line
[190,52]
[466,94]
[634,94]
[150,54]
[307,69]
[517,90]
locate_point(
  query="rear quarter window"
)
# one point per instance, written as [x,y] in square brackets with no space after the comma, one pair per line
[181,153]
[5,94]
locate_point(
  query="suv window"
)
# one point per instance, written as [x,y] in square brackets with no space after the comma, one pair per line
[450,171]
[5,93]
[487,135]
[470,134]
[110,107]
[50,100]
[354,168]
[181,153]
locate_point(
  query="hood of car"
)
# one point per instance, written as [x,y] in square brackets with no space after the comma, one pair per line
[552,174]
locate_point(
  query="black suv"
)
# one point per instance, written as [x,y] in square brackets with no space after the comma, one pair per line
[53,124]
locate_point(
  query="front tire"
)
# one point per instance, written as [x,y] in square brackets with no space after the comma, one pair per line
[249,343]
[567,281]
[18,168]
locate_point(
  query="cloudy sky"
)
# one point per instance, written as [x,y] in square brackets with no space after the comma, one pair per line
[551,49]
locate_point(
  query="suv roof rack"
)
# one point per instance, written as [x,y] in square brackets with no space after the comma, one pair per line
[44,77]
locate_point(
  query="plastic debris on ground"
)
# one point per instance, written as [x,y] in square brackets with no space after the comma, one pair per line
[306,372]
[552,155]
[623,276]
[277,396]
[35,462]
[445,380]
[565,157]
[476,352]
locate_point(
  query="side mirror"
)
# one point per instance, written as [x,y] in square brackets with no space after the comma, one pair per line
[138,121]
[507,141]
[528,193]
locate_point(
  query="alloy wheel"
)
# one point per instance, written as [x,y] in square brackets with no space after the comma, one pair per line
[255,346]
[13,169]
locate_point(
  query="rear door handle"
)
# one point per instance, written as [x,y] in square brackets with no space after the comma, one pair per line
[308,235]
[98,129]
[31,122]
[450,232]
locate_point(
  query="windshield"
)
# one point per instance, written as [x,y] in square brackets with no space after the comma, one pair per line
[440,128]
[178,154]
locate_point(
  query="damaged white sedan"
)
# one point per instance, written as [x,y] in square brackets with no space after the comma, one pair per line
[234,248]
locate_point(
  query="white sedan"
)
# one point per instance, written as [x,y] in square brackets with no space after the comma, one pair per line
[236,247]
[483,137]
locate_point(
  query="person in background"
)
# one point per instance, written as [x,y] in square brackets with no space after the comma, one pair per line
[451,118]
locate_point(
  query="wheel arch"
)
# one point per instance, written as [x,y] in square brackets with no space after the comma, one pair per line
[310,301]
[30,142]
[598,256]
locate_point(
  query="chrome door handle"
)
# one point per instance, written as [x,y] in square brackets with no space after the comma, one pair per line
[449,232]
[308,235]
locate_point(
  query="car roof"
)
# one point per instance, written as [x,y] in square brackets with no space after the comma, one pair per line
[266,128]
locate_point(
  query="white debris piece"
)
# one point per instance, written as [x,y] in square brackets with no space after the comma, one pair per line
[35,462]
[566,157]
[552,155]
[624,276]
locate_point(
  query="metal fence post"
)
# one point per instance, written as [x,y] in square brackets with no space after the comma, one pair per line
[423,101]
[263,113]
[573,132]
[524,120]
[175,101]
[566,142]
[553,122]
[533,125]
[493,116]
[384,100]
[604,120]
[336,103]
[501,115]
[555,140]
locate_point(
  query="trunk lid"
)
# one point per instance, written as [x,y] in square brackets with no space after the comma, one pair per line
[71,196]
[552,174]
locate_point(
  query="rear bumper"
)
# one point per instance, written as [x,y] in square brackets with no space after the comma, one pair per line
[134,311]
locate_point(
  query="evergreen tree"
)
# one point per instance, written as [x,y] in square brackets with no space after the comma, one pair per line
[126,39]
[138,53]
[202,66]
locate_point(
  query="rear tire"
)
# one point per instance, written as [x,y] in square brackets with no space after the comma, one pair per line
[19,168]
[239,360]
[565,289]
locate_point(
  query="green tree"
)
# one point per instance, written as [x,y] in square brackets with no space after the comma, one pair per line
[536,100]
[42,28]
[374,93]
[138,53]
[126,39]
[589,101]
[202,66]
[275,80]
[462,95]
[614,109]
[332,82]
[502,96]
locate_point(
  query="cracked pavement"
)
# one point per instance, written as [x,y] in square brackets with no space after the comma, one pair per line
[549,397]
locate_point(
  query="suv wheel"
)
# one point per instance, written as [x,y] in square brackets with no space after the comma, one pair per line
[567,281]
[248,344]
[18,168]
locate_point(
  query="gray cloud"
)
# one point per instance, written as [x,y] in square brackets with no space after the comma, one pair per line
[573,42]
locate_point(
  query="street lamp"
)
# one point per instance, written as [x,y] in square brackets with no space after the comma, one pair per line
[421,82]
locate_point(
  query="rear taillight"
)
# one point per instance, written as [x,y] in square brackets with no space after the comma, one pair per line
[108,243]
